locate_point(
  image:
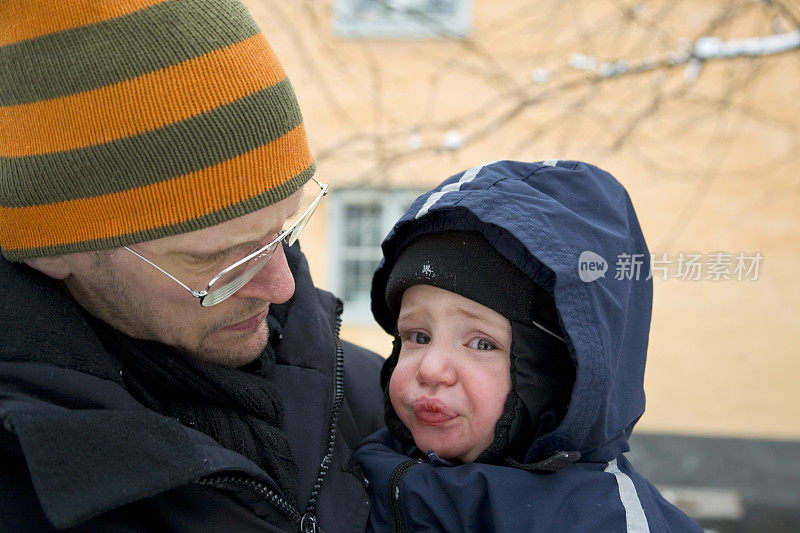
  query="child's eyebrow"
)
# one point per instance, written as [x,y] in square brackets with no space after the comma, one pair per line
[487,322]
[408,313]
[466,313]
[469,314]
[405,316]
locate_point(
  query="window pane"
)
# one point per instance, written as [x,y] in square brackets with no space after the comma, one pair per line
[363,218]
[358,278]
[402,19]
[362,224]
[350,280]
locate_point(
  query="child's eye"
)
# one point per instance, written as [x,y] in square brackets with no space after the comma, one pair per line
[482,344]
[417,337]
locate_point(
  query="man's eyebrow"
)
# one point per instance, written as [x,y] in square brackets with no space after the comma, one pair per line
[245,246]
[205,256]
[296,210]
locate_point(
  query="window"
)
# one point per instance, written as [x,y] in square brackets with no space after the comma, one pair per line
[402,19]
[360,220]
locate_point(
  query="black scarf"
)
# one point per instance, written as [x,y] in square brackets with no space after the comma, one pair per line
[238,407]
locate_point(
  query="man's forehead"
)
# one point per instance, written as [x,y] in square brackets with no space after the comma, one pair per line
[252,228]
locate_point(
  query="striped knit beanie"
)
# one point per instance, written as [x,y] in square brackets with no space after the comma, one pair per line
[131,120]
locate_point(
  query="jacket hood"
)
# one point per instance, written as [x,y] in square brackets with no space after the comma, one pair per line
[568,226]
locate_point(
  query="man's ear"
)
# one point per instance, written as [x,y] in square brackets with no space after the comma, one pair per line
[54,266]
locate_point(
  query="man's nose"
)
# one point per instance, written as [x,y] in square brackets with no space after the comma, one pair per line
[437,367]
[274,283]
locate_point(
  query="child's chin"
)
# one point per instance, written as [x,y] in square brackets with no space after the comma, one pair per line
[442,451]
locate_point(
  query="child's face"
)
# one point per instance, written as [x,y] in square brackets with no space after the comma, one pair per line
[453,374]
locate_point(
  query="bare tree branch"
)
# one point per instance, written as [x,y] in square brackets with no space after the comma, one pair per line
[688,71]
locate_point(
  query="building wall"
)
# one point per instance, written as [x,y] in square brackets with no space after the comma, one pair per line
[707,150]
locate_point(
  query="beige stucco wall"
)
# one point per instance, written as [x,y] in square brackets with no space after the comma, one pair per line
[713,168]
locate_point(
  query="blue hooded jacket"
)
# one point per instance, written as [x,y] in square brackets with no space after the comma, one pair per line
[572,229]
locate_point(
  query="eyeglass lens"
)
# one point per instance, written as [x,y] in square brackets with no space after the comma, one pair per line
[229,283]
[232,281]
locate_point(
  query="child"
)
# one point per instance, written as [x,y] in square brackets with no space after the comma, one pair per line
[518,364]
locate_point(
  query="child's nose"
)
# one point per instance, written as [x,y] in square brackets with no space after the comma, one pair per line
[436,368]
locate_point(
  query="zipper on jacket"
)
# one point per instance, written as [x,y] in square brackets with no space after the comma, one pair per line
[273,498]
[306,523]
[338,400]
[397,520]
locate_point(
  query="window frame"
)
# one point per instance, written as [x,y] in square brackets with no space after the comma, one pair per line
[393,202]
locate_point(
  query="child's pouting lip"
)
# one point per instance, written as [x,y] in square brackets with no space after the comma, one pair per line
[432,411]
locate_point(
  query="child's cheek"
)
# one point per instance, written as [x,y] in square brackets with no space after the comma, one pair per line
[398,389]
[394,390]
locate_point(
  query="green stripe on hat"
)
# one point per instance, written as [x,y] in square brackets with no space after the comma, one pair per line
[101,54]
[153,156]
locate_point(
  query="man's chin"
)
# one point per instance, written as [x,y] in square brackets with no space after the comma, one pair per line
[233,350]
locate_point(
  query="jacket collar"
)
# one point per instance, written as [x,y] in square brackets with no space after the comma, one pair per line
[90,447]
[48,325]
[105,450]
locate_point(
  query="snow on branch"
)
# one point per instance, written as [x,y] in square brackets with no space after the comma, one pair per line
[703,49]
[706,48]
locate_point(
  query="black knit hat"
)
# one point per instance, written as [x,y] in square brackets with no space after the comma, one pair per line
[463,262]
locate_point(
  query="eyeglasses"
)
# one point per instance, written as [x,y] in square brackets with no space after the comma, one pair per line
[231,279]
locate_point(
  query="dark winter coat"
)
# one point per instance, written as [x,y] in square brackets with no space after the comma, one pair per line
[77,451]
[542,217]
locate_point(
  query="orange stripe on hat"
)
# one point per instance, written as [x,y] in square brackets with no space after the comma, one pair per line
[135,210]
[33,18]
[141,104]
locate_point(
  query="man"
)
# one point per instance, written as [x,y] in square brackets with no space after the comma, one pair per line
[166,362]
